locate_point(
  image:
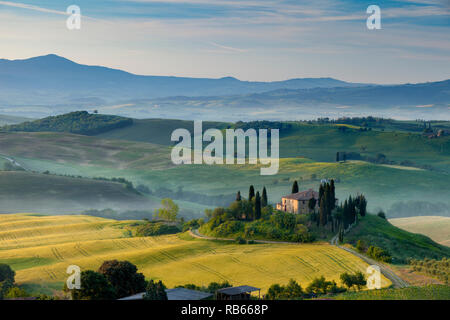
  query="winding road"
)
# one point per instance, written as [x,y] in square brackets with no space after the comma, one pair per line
[385,270]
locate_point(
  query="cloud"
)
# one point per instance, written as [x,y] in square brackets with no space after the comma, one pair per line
[31,7]
[227,47]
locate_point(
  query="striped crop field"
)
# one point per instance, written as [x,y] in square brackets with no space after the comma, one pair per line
[40,248]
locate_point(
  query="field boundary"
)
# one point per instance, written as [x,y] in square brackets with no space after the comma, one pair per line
[385,270]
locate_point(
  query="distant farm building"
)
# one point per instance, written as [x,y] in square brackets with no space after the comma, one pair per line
[298,202]
[177,294]
[237,293]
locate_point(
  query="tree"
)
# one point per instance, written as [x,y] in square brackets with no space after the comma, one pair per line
[257,206]
[349,280]
[6,273]
[360,246]
[362,205]
[155,291]
[123,277]
[295,187]
[321,192]
[94,286]
[251,193]
[312,204]
[169,210]
[381,214]
[337,156]
[333,194]
[264,201]
[322,213]
[238,196]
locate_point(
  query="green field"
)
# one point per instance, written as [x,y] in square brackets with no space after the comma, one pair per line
[437,228]
[40,248]
[402,245]
[141,154]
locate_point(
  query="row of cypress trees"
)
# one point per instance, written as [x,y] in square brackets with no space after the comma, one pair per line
[260,201]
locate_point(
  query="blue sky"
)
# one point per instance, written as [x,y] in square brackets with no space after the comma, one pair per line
[261,40]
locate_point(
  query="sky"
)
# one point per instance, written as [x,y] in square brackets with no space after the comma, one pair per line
[254,40]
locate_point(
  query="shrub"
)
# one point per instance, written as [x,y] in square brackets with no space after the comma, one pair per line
[381,214]
[291,291]
[149,229]
[16,292]
[240,240]
[379,254]
[155,291]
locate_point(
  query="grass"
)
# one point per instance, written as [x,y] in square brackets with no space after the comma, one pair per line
[437,228]
[142,155]
[430,292]
[41,248]
[401,244]
[318,142]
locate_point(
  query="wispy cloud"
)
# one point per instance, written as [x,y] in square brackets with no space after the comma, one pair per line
[31,7]
[228,47]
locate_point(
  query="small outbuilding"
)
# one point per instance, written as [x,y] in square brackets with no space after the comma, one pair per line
[237,293]
[176,294]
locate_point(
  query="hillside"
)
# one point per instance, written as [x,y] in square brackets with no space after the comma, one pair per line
[40,248]
[141,154]
[437,228]
[319,142]
[401,244]
[80,122]
[42,193]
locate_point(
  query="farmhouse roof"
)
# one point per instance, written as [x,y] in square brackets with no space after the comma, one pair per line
[303,195]
[176,294]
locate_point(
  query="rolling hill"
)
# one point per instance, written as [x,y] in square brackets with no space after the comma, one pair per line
[39,249]
[42,193]
[412,169]
[437,228]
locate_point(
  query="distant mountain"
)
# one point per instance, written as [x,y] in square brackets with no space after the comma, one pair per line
[50,85]
[53,79]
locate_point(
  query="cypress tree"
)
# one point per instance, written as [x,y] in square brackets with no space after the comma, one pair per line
[295,187]
[257,206]
[321,191]
[238,196]
[251,193]
[362,206]
[345,214]
[264,198]
[322,213]
[333,194]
